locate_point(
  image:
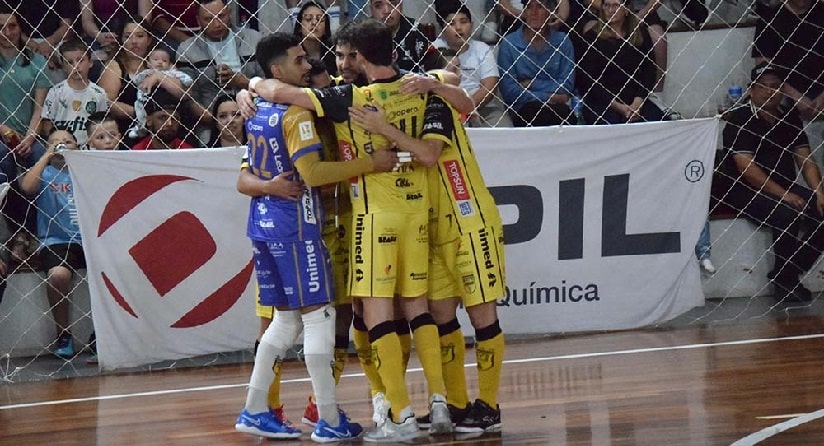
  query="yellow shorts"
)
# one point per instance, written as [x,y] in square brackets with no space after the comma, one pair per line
[338,241]
[389,255]
[262,310]
[470,267]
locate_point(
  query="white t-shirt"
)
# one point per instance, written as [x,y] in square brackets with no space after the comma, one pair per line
[225,52]
[477,63]
[69,109]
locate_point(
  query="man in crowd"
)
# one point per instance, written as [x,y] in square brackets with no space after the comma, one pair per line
[537,66]
[414,50]
[765,142]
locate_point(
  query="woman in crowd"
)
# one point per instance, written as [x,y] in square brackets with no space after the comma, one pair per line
[230,131]
[617,69]
[24,84]
[312,27]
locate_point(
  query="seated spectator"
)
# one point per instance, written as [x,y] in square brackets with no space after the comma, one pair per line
[537,69]
[312,27]
[765,142]
[266,16]
[220,58]
[118,74]
[477,67]
[69,103]
[509,12]
[413,47]
[163,123]
[23,86]
[789,37]
[103,133]
[161,72]
[616,70]
[100,20]
[645,12]
[171,21]
[230,130]
[61,249]
[47,23]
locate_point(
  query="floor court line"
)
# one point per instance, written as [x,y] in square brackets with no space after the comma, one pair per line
[511,361]
[776,429]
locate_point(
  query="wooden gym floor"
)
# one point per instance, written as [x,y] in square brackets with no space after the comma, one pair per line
[744,381]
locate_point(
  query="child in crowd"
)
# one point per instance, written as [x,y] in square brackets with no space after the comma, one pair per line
[69,103]
[104,133]
[61,251]
[161,65]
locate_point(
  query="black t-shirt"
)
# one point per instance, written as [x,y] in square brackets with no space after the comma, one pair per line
[614,68]
[795,44]
[41,18]
[772,145]
[413,48]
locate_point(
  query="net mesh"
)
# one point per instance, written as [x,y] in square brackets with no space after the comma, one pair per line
[634,60]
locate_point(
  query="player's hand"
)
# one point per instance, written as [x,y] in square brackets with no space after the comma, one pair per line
[418,84]
[384,160]
[284,186]
[246,104]
[370,117]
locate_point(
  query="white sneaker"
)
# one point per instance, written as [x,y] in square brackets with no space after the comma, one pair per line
[380,408]
[707,266]
[391,432]
[439,415]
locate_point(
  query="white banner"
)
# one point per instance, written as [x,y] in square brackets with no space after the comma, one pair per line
[600,224]
[169,265]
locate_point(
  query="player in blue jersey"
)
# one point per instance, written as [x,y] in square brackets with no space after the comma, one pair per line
[291,260]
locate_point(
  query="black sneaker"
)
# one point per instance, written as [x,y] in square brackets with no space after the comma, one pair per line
[457,415]
[481,418]
[788,289]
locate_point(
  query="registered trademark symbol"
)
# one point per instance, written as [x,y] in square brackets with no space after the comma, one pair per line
[694,171]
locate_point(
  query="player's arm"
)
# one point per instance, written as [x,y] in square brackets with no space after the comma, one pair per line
[374,120]
[331,101]
[280,186]
[317,173]
[442,83]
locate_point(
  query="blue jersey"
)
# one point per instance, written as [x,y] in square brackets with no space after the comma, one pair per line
[278,135]
[56,211]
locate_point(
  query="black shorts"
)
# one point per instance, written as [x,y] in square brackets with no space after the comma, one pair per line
[69,255]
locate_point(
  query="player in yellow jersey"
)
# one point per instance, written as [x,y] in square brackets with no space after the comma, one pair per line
[467,264]
[390,241]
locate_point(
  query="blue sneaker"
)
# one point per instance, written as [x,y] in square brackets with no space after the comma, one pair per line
[345,430]
[265,424]
[64,348]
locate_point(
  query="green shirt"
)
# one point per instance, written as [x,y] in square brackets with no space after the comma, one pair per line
[18,84]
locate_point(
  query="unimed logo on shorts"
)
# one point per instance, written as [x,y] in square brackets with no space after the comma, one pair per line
[169,253]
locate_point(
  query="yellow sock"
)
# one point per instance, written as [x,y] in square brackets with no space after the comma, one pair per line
[489,353]
[428,348]
[341,354]
[402,329]
[453,356]
[364,351]
[386,354]
[273,398]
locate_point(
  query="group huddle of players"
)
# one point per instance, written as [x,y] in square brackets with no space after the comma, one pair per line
[374,205]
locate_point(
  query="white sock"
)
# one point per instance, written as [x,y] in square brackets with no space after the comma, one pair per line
[278,337]
[319,347]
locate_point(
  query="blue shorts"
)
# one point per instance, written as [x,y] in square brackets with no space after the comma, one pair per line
[293,275]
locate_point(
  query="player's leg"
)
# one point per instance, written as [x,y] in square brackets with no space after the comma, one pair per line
[257,417]
[484,251]
[265,314]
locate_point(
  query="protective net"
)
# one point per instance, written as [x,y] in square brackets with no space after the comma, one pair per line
[547,63]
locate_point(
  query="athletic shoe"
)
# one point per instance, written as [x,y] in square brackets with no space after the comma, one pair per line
[481,418]
[310,415]
[280,415]
[391,432]
[345,430]
[264,424]
[380,408]
[439,415]
[457,415]
[64,348]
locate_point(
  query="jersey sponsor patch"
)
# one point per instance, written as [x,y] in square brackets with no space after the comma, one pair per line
[308,207]
[305,130]
[273,119]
